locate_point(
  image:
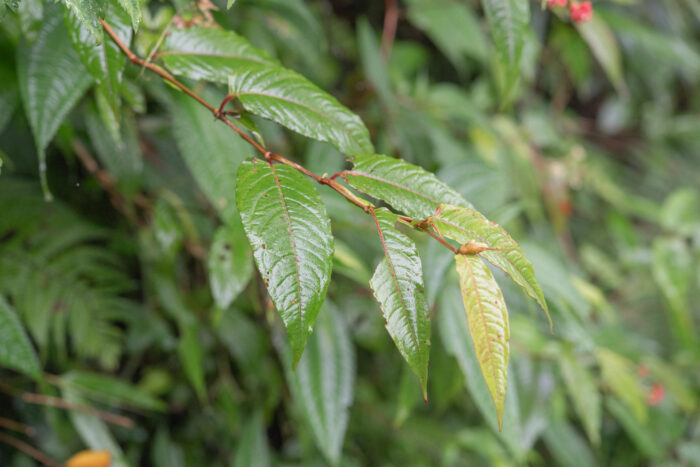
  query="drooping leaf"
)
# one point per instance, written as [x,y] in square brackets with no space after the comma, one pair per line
[488,325]
[102,58]
[508,20]
[323,382]
[452,26]
[455,334]
[88,13]
[230,263]
[398,287]
[604,47]
[51,79]
[464,224]
[583,392]
[192,357]
[289,99]
[16,351]
[109,390]
[133,8]
[211,151]
[289,231]
[407,187]
[210,54]
[253,449]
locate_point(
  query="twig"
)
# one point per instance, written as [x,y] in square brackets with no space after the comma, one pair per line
[29,450]
[51,401]
[219,114]
[16,426]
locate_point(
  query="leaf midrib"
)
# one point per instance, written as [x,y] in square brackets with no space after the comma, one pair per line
[388,182]
[294,248]
[212,54]
[404,308]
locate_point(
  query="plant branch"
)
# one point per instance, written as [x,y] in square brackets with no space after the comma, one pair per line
[52,401]
[391,19]
[220,114]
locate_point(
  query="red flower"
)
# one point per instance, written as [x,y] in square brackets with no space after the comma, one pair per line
[553,3]
[656,395]
[581,11]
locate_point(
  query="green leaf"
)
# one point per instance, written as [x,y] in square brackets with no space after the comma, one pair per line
[508,20]
[210,54]
[407,187]
[673,271]
[16,351]
[110,390]
[94,432]
[211,151]
[488,325]
[452,27]
[323,382]
[253,449]
[103,58]
[464,225]
[454,332]
[603,45]
[133,8]
[230,263]
[289,99]
[192,358]
[229,4]
[51,79]
[618,373]
[583,392]
[398,287]
[289,231]
[88,13]
[567,446]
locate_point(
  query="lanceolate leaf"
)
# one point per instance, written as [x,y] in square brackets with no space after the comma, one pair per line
[230,263]
[88,13]
[253,449]
[16,351]
[464,224]
[289,99]
[323,382]
[210,54]
[583,392]
[103,59]
[405,186]
[52,79]
[290,234]
[508,20]
[488,324]
[398,286]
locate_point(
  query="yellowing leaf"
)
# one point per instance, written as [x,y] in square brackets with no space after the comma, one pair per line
[90,459]
[488,324]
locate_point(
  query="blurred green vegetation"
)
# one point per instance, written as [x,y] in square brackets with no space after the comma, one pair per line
[125,287]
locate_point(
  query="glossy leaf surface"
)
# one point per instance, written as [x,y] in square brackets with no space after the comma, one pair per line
[323,382]
[289,231]
[51,79]
[488,325]
[464,225]
[289,99]
[398,287]
[133,8]
[16,350]
[407,187]
[210,54]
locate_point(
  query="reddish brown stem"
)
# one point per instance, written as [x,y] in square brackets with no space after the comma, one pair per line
[51,401]
[270,156]
[391,19]
[29,450]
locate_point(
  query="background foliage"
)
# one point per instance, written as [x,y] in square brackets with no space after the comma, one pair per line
[136,286]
